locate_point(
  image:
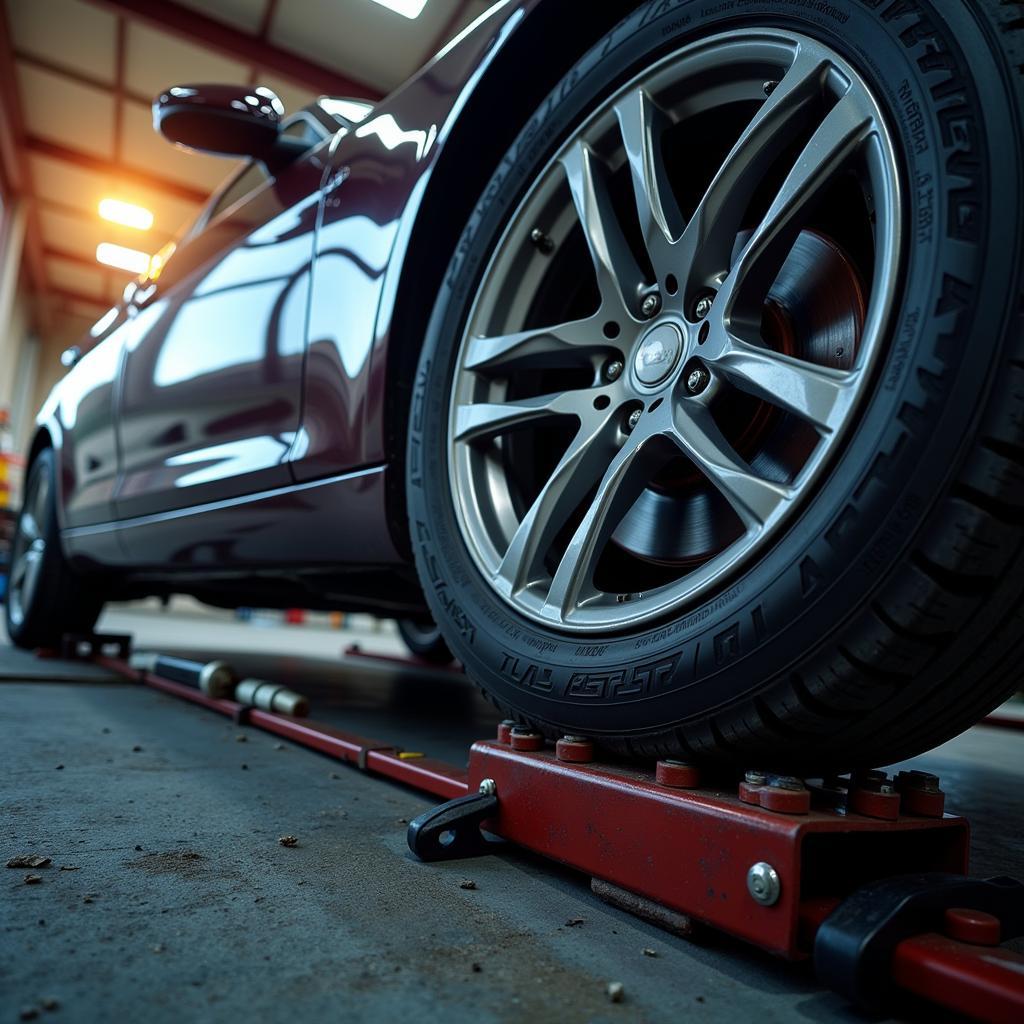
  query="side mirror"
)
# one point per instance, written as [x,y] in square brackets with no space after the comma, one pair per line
[226,120]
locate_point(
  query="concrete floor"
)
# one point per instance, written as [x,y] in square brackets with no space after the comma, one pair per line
[170,898]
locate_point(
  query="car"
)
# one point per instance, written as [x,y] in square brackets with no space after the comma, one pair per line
[669,357]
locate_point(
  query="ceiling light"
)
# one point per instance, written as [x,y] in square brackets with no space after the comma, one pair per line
[406,8]
[128,214]
[122,257]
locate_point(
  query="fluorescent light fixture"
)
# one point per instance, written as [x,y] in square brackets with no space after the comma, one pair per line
[406,8]
[123,258]
[128,214]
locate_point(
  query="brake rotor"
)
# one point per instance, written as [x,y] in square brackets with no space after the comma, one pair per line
[815,311]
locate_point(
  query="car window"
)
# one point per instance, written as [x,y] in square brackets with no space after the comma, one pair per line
[248,181]
[255,174]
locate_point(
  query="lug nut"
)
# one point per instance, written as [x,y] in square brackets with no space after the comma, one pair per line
[703,306]
[651,304]
[634,419]
[612,370]
[697,381]
[769,87]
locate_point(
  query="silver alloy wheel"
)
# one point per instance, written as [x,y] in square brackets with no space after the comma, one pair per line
[29,550]
[678,326]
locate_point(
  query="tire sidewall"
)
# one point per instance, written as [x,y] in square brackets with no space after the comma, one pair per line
[33,617]
[955,294]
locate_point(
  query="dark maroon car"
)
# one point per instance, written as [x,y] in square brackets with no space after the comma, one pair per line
[670,357]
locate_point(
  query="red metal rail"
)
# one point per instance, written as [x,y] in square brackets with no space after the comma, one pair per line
[691,849]
[428,774]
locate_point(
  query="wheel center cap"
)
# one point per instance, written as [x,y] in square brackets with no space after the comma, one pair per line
[657,354]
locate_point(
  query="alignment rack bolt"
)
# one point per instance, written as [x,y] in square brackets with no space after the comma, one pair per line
[613,370]
[651,304]
[763,883]
[488,787]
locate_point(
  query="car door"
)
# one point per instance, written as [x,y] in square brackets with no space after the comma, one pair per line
[211,388]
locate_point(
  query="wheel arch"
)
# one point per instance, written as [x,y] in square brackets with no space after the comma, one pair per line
[548,42]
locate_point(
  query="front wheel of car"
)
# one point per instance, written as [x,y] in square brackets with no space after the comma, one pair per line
[45,598]
[717,434]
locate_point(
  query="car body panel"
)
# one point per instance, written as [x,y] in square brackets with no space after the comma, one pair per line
[211,391]
[206,460]
[257,531]
[378,179]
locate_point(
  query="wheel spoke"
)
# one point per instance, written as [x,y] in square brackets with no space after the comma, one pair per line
[619,279]
[619,488]
[33,563]
[576,473]
[753,498]
[817,394]
[840,134]
[486,419]
[18,572]
[642,124]
[28,525]
[562,344]
[708,241]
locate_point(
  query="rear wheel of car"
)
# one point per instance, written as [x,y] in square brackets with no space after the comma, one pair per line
[424,639]
[717,435]
[45,599]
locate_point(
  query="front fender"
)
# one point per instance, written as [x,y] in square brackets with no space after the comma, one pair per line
[378,178]
[399,193]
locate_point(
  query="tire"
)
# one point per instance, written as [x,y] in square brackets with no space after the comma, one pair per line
[885,617]
[45,598]
[424,639]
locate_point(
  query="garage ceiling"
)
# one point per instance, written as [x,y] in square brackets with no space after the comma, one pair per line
[77,78]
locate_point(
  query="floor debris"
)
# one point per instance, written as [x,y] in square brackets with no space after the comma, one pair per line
[650,952]
[467,883]
[288,841]
[574,922]
[33,879]
[616,991]
[29,860]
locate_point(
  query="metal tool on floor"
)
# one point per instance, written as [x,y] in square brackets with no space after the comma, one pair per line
[864,875]
[218,680]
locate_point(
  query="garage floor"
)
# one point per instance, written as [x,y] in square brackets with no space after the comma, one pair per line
[169,896]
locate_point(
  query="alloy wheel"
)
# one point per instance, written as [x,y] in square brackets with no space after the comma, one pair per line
[29,550]
[672,338]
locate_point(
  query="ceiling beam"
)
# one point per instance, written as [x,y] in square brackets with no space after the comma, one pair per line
[70,295]
[202,30]
[93,81]
[55,151]
[12,154]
